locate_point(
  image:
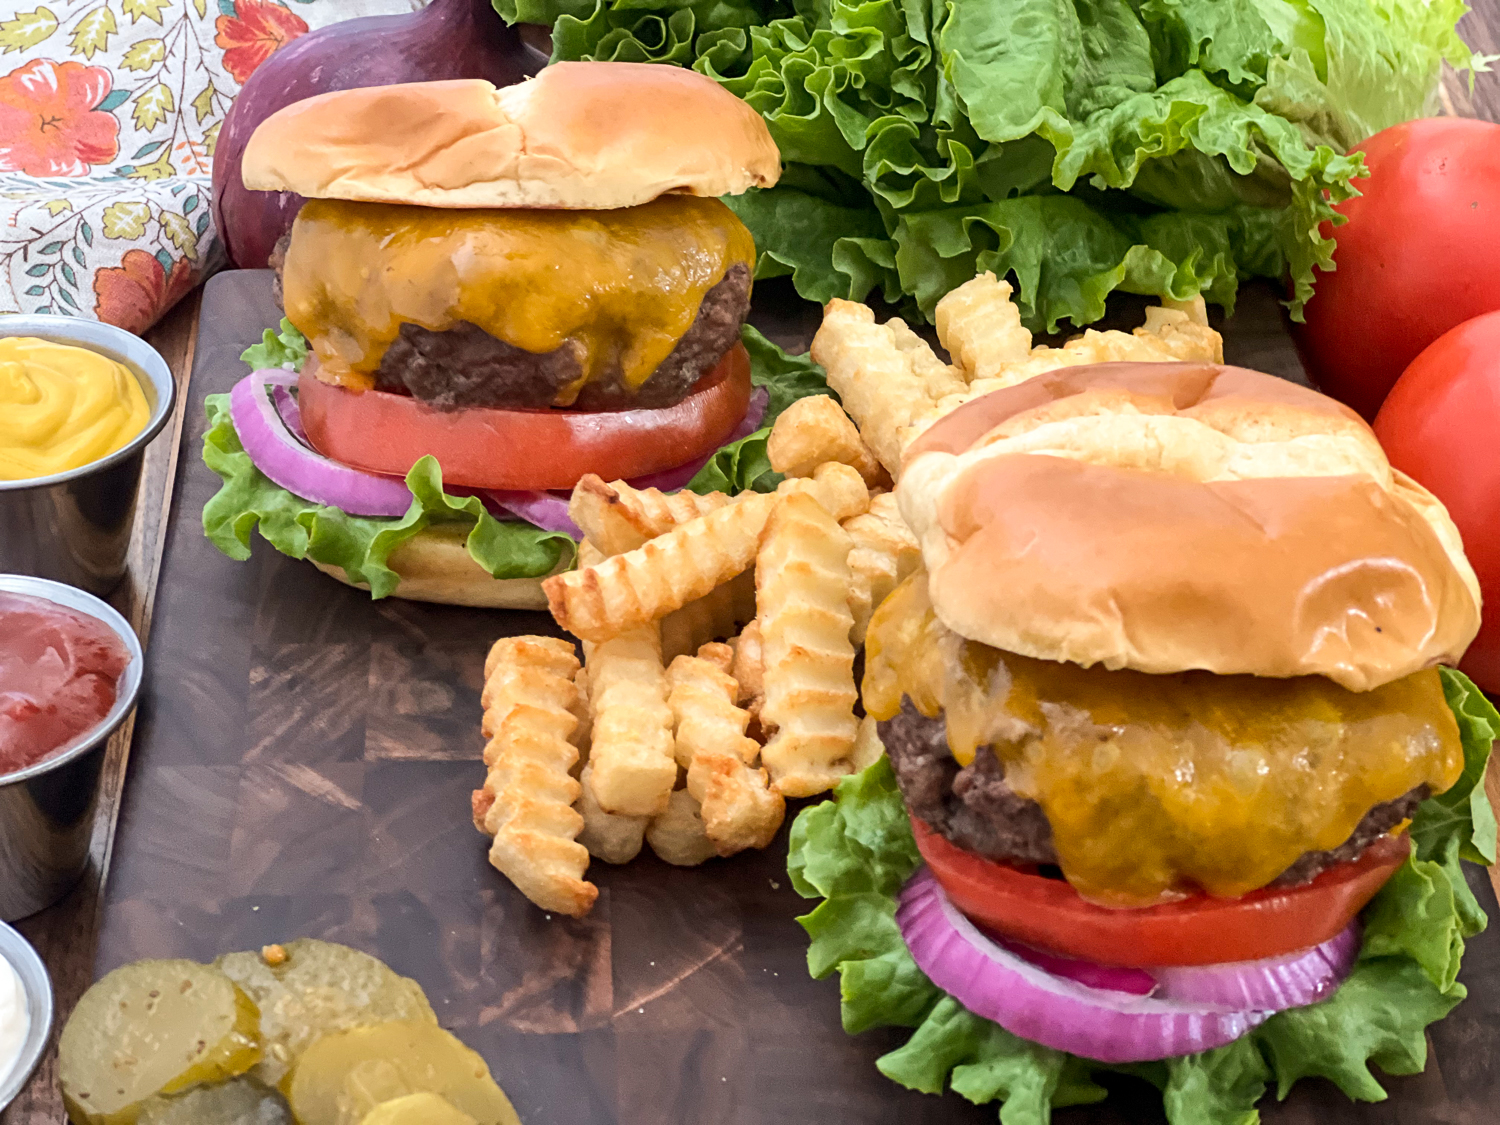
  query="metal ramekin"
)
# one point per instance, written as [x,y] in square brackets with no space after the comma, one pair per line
[38,988]
[47,810]
[75,526]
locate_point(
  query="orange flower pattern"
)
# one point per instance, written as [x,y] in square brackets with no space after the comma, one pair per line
[257,30]
[50,121]
[136,294]
[110,112]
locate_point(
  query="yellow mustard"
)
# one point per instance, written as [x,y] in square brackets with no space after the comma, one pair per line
[63,407]
[619,287]
[1158,785]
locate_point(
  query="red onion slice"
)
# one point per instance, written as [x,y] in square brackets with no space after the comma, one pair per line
[273,426]
[277,453]
[1112,1027]
[1271,985]
[547,511]
[291,413]
[1112,978]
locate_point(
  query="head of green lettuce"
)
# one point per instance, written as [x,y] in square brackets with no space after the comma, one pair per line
[1162,147]
[362,546]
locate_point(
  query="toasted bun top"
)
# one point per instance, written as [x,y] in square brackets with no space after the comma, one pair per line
[578,135]
[1167,517]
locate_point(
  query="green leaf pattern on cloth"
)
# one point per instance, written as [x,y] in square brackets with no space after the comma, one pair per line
[1164,147]
[856,851]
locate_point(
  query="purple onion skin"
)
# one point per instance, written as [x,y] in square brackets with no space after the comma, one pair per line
[447,39]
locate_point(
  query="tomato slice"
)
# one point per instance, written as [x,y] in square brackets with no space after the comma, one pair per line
[483,447]
[1199,930]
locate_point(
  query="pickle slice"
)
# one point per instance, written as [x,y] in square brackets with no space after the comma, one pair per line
[342,1077]
[418,1109]
[240,1101]
[154,1027]
[308,988]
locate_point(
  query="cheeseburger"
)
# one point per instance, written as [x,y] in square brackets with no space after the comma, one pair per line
[1163,706]
[526,284]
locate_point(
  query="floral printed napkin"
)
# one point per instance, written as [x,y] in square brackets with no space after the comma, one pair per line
[109,110]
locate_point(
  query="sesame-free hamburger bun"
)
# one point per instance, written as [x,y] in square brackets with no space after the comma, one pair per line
[1168,517]
[578,135]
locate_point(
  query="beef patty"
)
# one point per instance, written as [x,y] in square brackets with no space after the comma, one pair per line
[465,366]
[973,807]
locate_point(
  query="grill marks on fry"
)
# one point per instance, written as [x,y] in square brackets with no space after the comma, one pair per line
[530,699]
[803,585]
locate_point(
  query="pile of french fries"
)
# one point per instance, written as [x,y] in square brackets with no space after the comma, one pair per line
[719,632]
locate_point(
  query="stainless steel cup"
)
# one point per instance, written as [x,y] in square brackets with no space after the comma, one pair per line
[75,526]
[38,988]
[47,810]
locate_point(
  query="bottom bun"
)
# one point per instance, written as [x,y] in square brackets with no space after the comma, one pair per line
[435,566]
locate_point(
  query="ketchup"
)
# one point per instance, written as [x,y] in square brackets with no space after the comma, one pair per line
[58,673]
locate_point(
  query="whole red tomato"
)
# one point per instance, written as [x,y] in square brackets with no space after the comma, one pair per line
[1419,254]
[1441,426]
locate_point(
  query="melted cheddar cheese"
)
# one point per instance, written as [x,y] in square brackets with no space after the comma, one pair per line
[618,287]
[1159,785]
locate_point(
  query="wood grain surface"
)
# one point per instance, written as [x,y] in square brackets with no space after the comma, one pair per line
[302,767]
[66,935]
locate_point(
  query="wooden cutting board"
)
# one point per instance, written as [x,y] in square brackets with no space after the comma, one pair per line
[302,767]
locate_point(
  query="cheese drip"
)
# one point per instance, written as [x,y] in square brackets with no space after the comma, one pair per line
[1161,785]
[618,287]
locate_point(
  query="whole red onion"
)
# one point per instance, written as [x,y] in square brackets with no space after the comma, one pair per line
[447,39]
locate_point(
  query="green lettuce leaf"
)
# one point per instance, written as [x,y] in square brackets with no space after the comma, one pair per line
[855,852]
[924,140]
[362,546]
[284,348]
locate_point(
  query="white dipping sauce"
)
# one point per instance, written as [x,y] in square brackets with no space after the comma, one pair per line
[15,1018]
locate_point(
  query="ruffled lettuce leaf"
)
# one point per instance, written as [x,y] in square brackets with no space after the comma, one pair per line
[855,852]
[362,546]
[1197,142]
[285,347]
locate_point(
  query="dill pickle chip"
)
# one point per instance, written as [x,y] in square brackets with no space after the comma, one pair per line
[342,1077]
[240,1101]
[418,1109]
[308,988]
[154,1027]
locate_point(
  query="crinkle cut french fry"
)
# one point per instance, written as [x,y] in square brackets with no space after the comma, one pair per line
[737,806]
[686,563]
[981,327]
[631,754]
[679,836]
[526,802]
[619,518]
[868,748]
[749,668]
[612,838]
[721,653]
[884,374]
[522,670]
[814,430]
[663,574]
[720,613]
[883,552]
[703,701]
[803,586]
